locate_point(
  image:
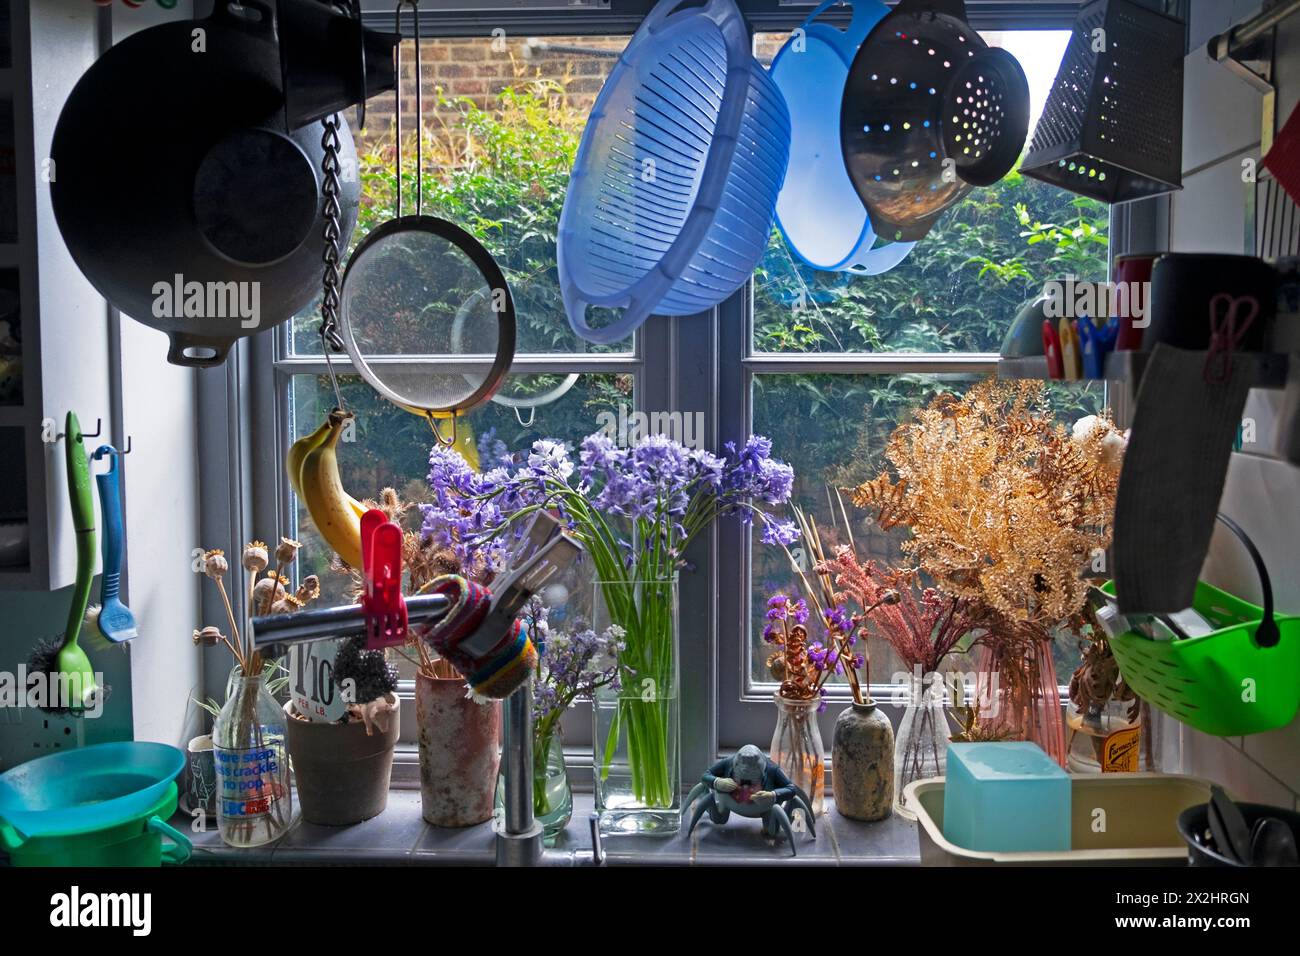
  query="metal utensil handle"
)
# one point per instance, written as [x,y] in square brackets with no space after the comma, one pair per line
[349,620]
[419,111]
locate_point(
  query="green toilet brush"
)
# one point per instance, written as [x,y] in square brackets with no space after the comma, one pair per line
[66,665]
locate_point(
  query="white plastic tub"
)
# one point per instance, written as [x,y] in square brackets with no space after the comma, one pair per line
[1117,819]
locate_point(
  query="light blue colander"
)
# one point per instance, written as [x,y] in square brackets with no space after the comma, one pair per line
[671,200]
[819,212]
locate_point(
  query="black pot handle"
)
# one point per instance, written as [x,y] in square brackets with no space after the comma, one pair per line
[224,12]
[196,351]
[1267,633]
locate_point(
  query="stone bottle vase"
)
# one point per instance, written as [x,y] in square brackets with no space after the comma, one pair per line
[862,763]
[459,755]
[342,775]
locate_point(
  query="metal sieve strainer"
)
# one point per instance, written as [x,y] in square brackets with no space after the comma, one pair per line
[929,112]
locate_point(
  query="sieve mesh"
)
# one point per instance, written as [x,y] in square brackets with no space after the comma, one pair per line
[427,317]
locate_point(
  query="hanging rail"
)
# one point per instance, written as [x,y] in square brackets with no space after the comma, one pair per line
[1236,39]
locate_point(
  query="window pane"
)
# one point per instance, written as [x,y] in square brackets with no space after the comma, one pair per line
[960,286]
[833,429]
[391,447]
[501,125]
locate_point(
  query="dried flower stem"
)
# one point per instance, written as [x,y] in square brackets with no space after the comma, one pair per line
[822,597]
[275,587]
[240,655]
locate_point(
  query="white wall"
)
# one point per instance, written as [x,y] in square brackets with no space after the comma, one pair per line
[1221,126]
[159,410]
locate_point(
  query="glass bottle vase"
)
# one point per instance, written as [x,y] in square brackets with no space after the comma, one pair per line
[637,727]
[254,802]
[797,747]
[921,745]
[552,794]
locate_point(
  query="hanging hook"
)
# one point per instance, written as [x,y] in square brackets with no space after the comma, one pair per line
[107,450]
[433,424]
[99,427]
[532,414]
[354,12]
[437,432]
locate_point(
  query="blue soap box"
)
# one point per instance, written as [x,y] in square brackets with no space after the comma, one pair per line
[1005,797]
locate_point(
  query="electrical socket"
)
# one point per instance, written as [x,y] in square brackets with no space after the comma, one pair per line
[26,733]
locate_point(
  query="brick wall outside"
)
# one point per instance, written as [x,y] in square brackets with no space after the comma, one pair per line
[477,69]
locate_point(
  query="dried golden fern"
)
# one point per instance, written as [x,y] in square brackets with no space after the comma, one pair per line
[1004,506]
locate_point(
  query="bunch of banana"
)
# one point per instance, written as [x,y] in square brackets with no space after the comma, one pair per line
[313,467]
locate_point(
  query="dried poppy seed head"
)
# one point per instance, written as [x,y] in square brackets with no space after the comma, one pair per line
[208,636]
[255,558]
[214,564]
[309,589]
[267,589]
[287,551]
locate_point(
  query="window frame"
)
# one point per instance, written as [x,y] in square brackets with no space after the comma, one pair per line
[698,363]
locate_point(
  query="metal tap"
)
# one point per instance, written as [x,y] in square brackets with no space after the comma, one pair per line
[519,835]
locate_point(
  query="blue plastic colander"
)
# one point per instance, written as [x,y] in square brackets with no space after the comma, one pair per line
[670,203]
[90,788]
[819,212]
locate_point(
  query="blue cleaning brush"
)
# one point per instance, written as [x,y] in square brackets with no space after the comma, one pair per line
[115,621]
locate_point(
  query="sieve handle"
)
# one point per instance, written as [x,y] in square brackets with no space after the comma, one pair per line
[874,261]
[1266,633]
[865,15]
[719,11]
[575,307]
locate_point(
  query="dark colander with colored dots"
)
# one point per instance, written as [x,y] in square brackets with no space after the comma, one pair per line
[929,112]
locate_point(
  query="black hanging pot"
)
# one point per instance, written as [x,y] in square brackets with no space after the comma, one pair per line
[187,167]
[929,112]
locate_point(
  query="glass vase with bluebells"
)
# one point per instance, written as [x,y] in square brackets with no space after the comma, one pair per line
[570,664]
[636,510]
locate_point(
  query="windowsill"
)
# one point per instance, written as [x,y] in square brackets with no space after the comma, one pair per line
[399,836]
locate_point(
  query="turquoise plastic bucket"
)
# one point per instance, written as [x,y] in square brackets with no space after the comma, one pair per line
[104,805]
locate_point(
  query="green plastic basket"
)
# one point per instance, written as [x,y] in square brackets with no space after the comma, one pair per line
[1243,678]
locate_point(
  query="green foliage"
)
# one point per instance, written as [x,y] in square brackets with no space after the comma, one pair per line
[957,291]
[501,173]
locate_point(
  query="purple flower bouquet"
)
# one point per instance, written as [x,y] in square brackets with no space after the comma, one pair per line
[635,510]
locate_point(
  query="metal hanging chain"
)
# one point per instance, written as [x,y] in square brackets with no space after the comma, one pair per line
[331,341]
[419,111]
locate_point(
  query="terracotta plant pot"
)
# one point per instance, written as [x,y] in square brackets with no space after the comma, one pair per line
[459,755]
[342,775]
[862,757]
